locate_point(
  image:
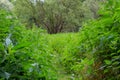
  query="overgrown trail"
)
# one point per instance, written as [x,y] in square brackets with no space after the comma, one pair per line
[62,75]
[59,44]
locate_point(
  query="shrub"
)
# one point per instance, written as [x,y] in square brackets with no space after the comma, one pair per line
[100,39]
[25,54]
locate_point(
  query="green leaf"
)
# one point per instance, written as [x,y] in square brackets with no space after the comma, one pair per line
[108,62]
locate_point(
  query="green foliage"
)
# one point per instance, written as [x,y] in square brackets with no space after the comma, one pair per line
[24,53]
[90,9]
[29,57]
[5,22]
[64,48]
[53,15]
[100,39]
[95,54]
[91,54]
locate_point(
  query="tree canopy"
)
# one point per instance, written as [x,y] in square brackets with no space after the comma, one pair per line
[53,15]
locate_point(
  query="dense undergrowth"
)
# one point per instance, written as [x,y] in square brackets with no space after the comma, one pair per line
[91,54]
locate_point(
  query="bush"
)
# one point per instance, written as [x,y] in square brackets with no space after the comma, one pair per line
[91,54]
[100,39]
[25,54]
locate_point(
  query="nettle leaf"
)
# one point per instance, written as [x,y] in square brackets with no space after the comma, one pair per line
[116,57]
[108,62]
[112,54]
[118,51]
[118,67]
[117,9]
[106,70]
[116,63]
[21,45]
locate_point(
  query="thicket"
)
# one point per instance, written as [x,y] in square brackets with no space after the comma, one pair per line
[24,53]
[91,54]
[97,56]
[94,54]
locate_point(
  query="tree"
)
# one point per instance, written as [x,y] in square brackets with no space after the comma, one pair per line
[91,8]
[53,15]
[5,4]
